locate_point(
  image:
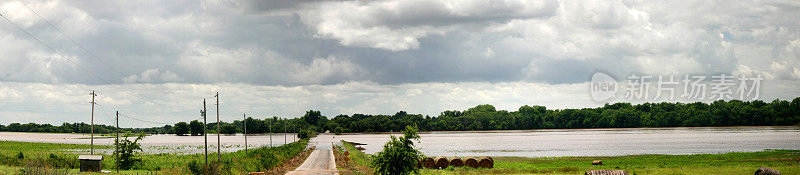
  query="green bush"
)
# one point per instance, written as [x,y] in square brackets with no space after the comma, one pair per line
[127,152]
[306,134]
[398,157]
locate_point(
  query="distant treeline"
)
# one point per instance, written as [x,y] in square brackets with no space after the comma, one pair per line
[486,117]
[72,128]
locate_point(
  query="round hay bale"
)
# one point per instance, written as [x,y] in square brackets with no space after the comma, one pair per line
[606,172]
[767,171]
[471,162]
[486,162]
[441,162]
[597,162]
[428,162]
[456,162]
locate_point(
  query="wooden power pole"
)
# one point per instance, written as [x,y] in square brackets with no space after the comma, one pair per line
[116,143]
[270,132]
[284,132]
[244,119]
[91,147]
[218,139]
[205,136]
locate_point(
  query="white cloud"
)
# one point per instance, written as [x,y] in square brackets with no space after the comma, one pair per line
[398,25]
[153,76]
[327,70]
[746,71]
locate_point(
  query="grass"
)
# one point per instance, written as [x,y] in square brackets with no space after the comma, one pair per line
[785,161]
[359,161]
[39,155]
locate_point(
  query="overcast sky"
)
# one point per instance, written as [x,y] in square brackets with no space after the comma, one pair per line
[157,60]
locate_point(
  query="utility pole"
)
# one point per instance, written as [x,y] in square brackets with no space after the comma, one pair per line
[270,132]
[92,127]
[284,132]
[218,140]
[205,136]
[244,118]
[116,143]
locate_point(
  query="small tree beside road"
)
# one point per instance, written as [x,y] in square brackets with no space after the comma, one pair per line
[398,157]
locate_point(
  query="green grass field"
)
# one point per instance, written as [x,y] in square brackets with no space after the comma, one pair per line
[359,161]
[58,157]
[785,161]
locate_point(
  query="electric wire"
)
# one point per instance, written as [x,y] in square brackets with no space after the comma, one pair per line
[79,65]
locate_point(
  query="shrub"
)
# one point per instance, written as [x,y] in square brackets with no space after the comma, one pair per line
[306,134]
[398,157]
[127,152]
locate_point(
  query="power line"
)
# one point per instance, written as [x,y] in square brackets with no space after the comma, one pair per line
[84,68]
[73,41]
[51,48]
[132,118]
[81,66]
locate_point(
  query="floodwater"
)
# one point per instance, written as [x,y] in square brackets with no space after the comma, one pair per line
[155,144]
[524,143]
[591,142]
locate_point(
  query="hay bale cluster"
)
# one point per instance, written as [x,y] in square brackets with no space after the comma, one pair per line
[443,162]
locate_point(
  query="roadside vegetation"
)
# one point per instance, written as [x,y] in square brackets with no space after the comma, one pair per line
[357,162]
[64,157]
[399,156]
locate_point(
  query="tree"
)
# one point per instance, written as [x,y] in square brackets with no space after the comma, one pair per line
[312,117]
[306,133]
[228,129]
[398,157]
[127,152]
[181,128]
[196,128]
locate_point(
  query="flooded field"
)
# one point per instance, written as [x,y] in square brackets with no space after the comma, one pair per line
[527,143]
[592,142]
[155,144]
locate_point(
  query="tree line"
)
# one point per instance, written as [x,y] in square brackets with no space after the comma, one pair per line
[618,115]
[486,117]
